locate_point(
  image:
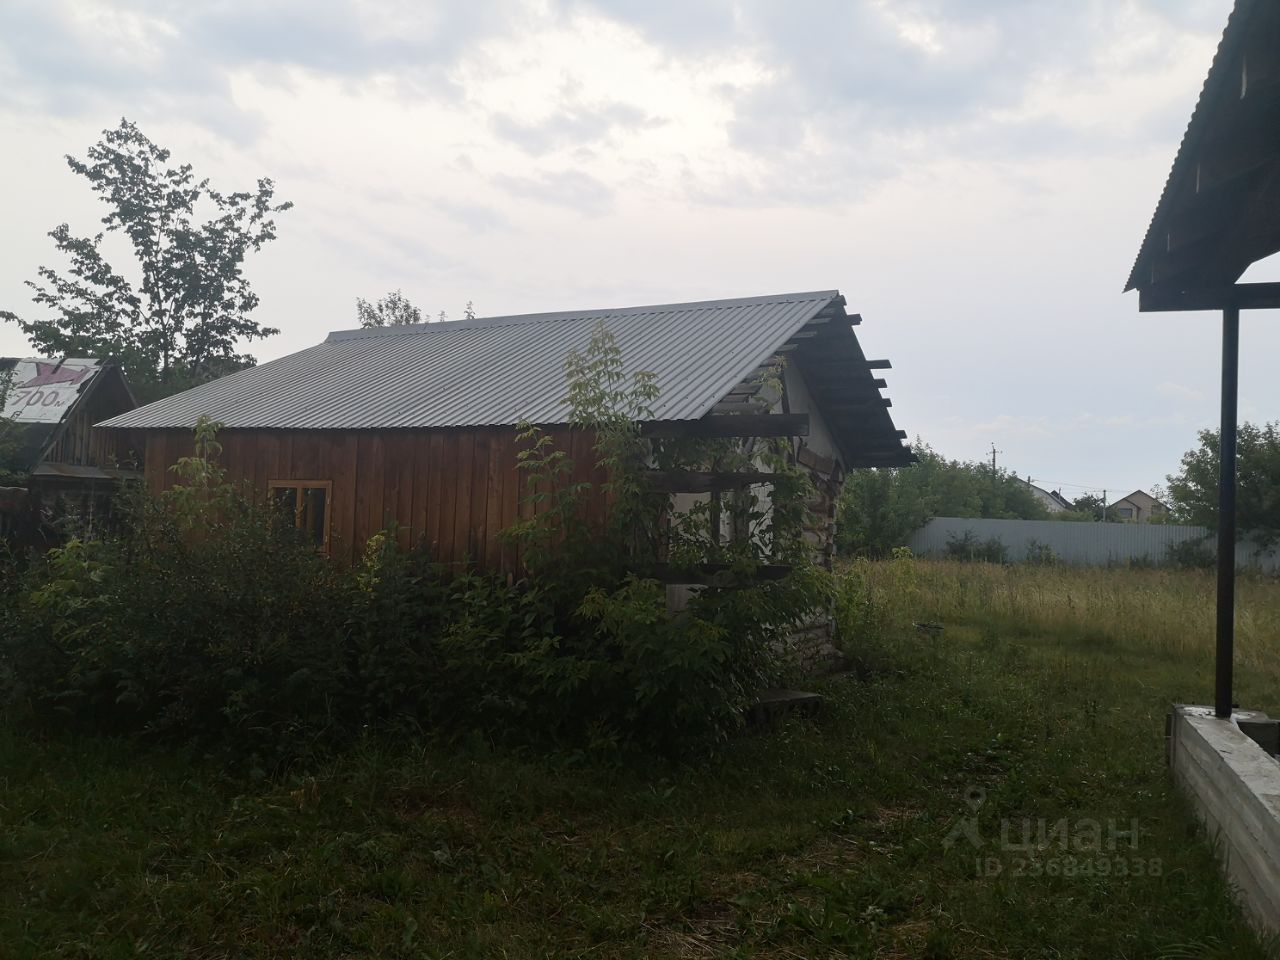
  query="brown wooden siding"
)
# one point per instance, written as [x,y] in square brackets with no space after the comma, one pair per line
[457,490]
[81,445]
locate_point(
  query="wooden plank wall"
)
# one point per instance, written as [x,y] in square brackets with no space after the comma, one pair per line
[79,443]
[455,489]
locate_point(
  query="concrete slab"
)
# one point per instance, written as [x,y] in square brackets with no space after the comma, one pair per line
[1235,786]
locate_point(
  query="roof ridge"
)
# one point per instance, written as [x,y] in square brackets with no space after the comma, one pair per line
[518,319]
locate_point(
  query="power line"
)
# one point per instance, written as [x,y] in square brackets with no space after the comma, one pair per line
[1083,486]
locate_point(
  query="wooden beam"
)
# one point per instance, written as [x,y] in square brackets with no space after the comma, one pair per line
[1246,296]
[859,380]
[861,404]
[886,447]
[829,360]
[731,425]
[881,464]
[837,373]
[694,481]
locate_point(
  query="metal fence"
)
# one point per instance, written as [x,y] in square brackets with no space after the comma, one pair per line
[1085,544]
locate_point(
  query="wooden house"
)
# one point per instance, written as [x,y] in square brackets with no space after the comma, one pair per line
[49,409]
[416,425]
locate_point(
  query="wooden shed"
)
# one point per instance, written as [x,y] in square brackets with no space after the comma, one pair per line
[416,425]
[49,409]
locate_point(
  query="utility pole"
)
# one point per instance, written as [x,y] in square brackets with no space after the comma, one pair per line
[1104,505]
[994,451]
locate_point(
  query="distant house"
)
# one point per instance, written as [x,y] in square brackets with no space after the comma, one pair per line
[50,406]
[416,424]
[1051,500]
[1138,507]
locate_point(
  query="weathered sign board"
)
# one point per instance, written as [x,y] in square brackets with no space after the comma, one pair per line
[43,391]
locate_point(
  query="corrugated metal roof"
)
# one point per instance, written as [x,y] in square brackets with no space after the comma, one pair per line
[493,371]
[1233,35]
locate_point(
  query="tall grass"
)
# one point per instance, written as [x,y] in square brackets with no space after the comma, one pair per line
[1159,615]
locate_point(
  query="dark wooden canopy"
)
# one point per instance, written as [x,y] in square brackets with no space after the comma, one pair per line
[1220,210]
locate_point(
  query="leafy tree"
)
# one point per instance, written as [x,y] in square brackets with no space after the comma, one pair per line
[1090,503]
[180,322]
[393,310]
[880,509]
[1090,506]
[1193,492]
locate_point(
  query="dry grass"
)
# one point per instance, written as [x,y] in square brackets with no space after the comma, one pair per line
[1163,616]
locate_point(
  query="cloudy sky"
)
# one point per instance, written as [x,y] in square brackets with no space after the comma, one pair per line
[974,175]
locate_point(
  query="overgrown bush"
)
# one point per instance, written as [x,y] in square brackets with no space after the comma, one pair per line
[1040,554]
[969,547]
[874,601]
[200,620]
[1190,555]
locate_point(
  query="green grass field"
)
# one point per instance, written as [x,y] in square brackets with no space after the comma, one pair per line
[1044,695]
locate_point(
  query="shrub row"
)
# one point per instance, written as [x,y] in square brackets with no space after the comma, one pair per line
[204,622]
[204,618]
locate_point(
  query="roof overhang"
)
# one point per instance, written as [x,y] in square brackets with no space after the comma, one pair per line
[1220,209]
[842,384]
[847,391]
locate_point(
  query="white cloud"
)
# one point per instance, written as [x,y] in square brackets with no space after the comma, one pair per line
[1178,391]
[1010,425]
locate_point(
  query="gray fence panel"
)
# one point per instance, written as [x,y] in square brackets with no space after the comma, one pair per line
[1085,544]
